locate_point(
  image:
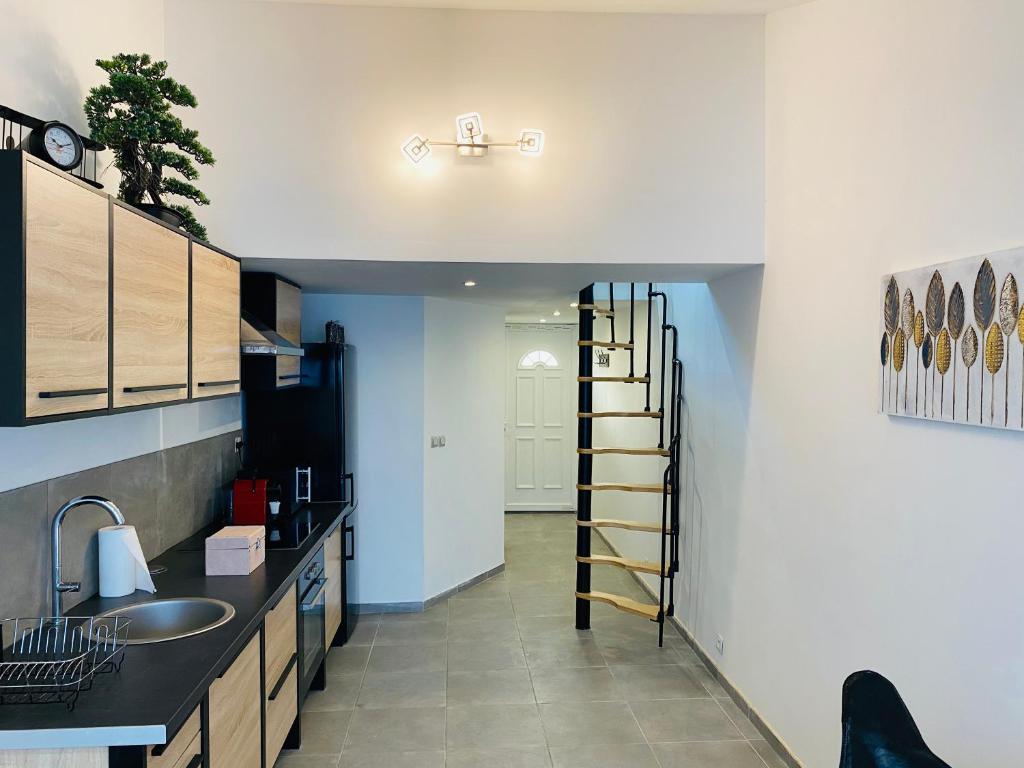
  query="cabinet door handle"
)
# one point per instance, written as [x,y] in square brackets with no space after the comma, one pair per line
[289,377]
[283,679]
[155,387]
[73,393]
[225,383]
[350,529]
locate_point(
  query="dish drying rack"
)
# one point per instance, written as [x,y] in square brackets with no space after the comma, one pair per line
[50,660]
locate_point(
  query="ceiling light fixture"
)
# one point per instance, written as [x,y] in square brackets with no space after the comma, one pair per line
[543,320]
[556,313]
[470,140]
[470,283]
[573,305]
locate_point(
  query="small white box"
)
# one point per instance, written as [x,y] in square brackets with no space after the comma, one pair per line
[236,550]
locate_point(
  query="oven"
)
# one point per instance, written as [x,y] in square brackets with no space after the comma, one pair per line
[312,624]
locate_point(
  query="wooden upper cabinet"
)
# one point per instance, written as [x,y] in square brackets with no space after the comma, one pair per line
[150,311]
[66,295]
[215,323]
[289,325]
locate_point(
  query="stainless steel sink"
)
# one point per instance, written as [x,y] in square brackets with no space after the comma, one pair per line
[173,618]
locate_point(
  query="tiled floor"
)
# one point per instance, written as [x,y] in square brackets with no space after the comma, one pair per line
[497,677]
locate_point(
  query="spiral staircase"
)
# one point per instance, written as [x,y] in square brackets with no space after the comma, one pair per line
[668,447]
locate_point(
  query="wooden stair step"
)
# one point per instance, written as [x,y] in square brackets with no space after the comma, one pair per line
[618,379]
[619,415]
[606,344]
[640,566]
[629,525]
[631,487]
[647,610]
[624,451]
[597,309]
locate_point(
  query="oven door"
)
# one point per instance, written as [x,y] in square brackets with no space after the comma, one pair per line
[312,610]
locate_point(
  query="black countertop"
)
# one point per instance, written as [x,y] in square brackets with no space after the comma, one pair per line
[160,684]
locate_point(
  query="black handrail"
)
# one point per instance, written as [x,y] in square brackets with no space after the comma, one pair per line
[611,308]
[632,341]
[585,467]
[650,288]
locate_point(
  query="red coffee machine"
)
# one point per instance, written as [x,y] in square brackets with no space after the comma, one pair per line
[249,501]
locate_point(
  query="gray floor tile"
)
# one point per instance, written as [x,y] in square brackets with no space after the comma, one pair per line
[559,605]
[323,733]
[508,757]
[496,587]
[537,627]
[581,724]
[385,690]
[635,653]
[340,693]
[562,652]
[437,612]
[412,633]
[475,656]
[492,726]
[658,682]
[481,610]
[604,756]
[770,757]
[363,634]
[347,660]
[501,630]
[501,686]
[362,759]
[709,754]
[396,730]
[584,684]
[527,589]
[407,658]
[700,674]
[739,719]
[289,759]
[684,720]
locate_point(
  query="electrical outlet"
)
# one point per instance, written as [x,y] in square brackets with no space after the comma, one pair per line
[720,645]
[443,441]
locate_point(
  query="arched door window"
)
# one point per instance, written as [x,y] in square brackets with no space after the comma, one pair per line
[537,358]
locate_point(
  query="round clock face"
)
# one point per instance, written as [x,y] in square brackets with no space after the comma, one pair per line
[62,146]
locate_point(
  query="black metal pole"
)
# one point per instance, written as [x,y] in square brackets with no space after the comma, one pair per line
[632,340]
[647,343]
[611,308]
[584,472]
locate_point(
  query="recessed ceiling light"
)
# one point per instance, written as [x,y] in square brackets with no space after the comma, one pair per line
[574,305]
[556,313]
[543,320]
[469,283]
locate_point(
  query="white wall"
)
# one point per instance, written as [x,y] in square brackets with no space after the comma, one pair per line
[387,333]
[463,482]
[654,132]
[49,50]
[824,538]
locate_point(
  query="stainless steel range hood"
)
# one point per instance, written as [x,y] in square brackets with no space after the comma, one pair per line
[258,339]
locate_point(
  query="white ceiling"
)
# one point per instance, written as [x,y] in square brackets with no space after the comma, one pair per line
[522,289]
[583,6]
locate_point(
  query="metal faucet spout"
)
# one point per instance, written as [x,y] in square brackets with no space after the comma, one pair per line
[57,586]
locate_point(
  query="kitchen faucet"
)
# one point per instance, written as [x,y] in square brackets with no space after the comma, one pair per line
[57,585]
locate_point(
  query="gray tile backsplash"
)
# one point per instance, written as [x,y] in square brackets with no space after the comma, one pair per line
[167,496]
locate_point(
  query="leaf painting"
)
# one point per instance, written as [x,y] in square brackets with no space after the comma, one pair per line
[969,353]
[1009,307]
[994,353]
[1020,338]
[884,355]
[899,357]
[926,360]
[955,318]
[891,315]
[908,313]
[984,305]
[943,357]
[935,304]
[919,336]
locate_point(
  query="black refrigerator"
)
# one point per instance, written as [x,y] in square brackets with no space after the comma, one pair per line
[302,439]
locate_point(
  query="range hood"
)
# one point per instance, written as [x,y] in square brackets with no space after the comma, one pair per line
[258,339]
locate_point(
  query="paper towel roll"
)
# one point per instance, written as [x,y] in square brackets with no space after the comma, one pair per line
[123,567]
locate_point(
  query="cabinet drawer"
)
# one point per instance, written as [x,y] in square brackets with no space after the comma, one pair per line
[67,264]
[280,637]
[235,712]
[150,311]
[281,712]
[215,323]
[333,553]
[173,753]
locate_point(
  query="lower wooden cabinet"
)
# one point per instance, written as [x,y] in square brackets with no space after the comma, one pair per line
[182,749]
[333,564]
[281,712]
[236,712]
[280,638]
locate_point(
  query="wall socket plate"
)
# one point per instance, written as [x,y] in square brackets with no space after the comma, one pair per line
[437,441]
[720,645]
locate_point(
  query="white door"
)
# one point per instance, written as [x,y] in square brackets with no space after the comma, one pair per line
[540,437]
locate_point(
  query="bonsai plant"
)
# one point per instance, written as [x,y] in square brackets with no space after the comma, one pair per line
[132,115]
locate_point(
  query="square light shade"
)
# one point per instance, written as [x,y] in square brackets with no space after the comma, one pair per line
[531,142]
[469,127]
[416,148]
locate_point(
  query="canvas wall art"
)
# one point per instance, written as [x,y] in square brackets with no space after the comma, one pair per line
[952,342]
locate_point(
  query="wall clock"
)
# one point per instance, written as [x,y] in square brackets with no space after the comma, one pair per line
[57,144]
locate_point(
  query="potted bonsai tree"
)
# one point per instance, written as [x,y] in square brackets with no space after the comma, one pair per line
[132,115]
